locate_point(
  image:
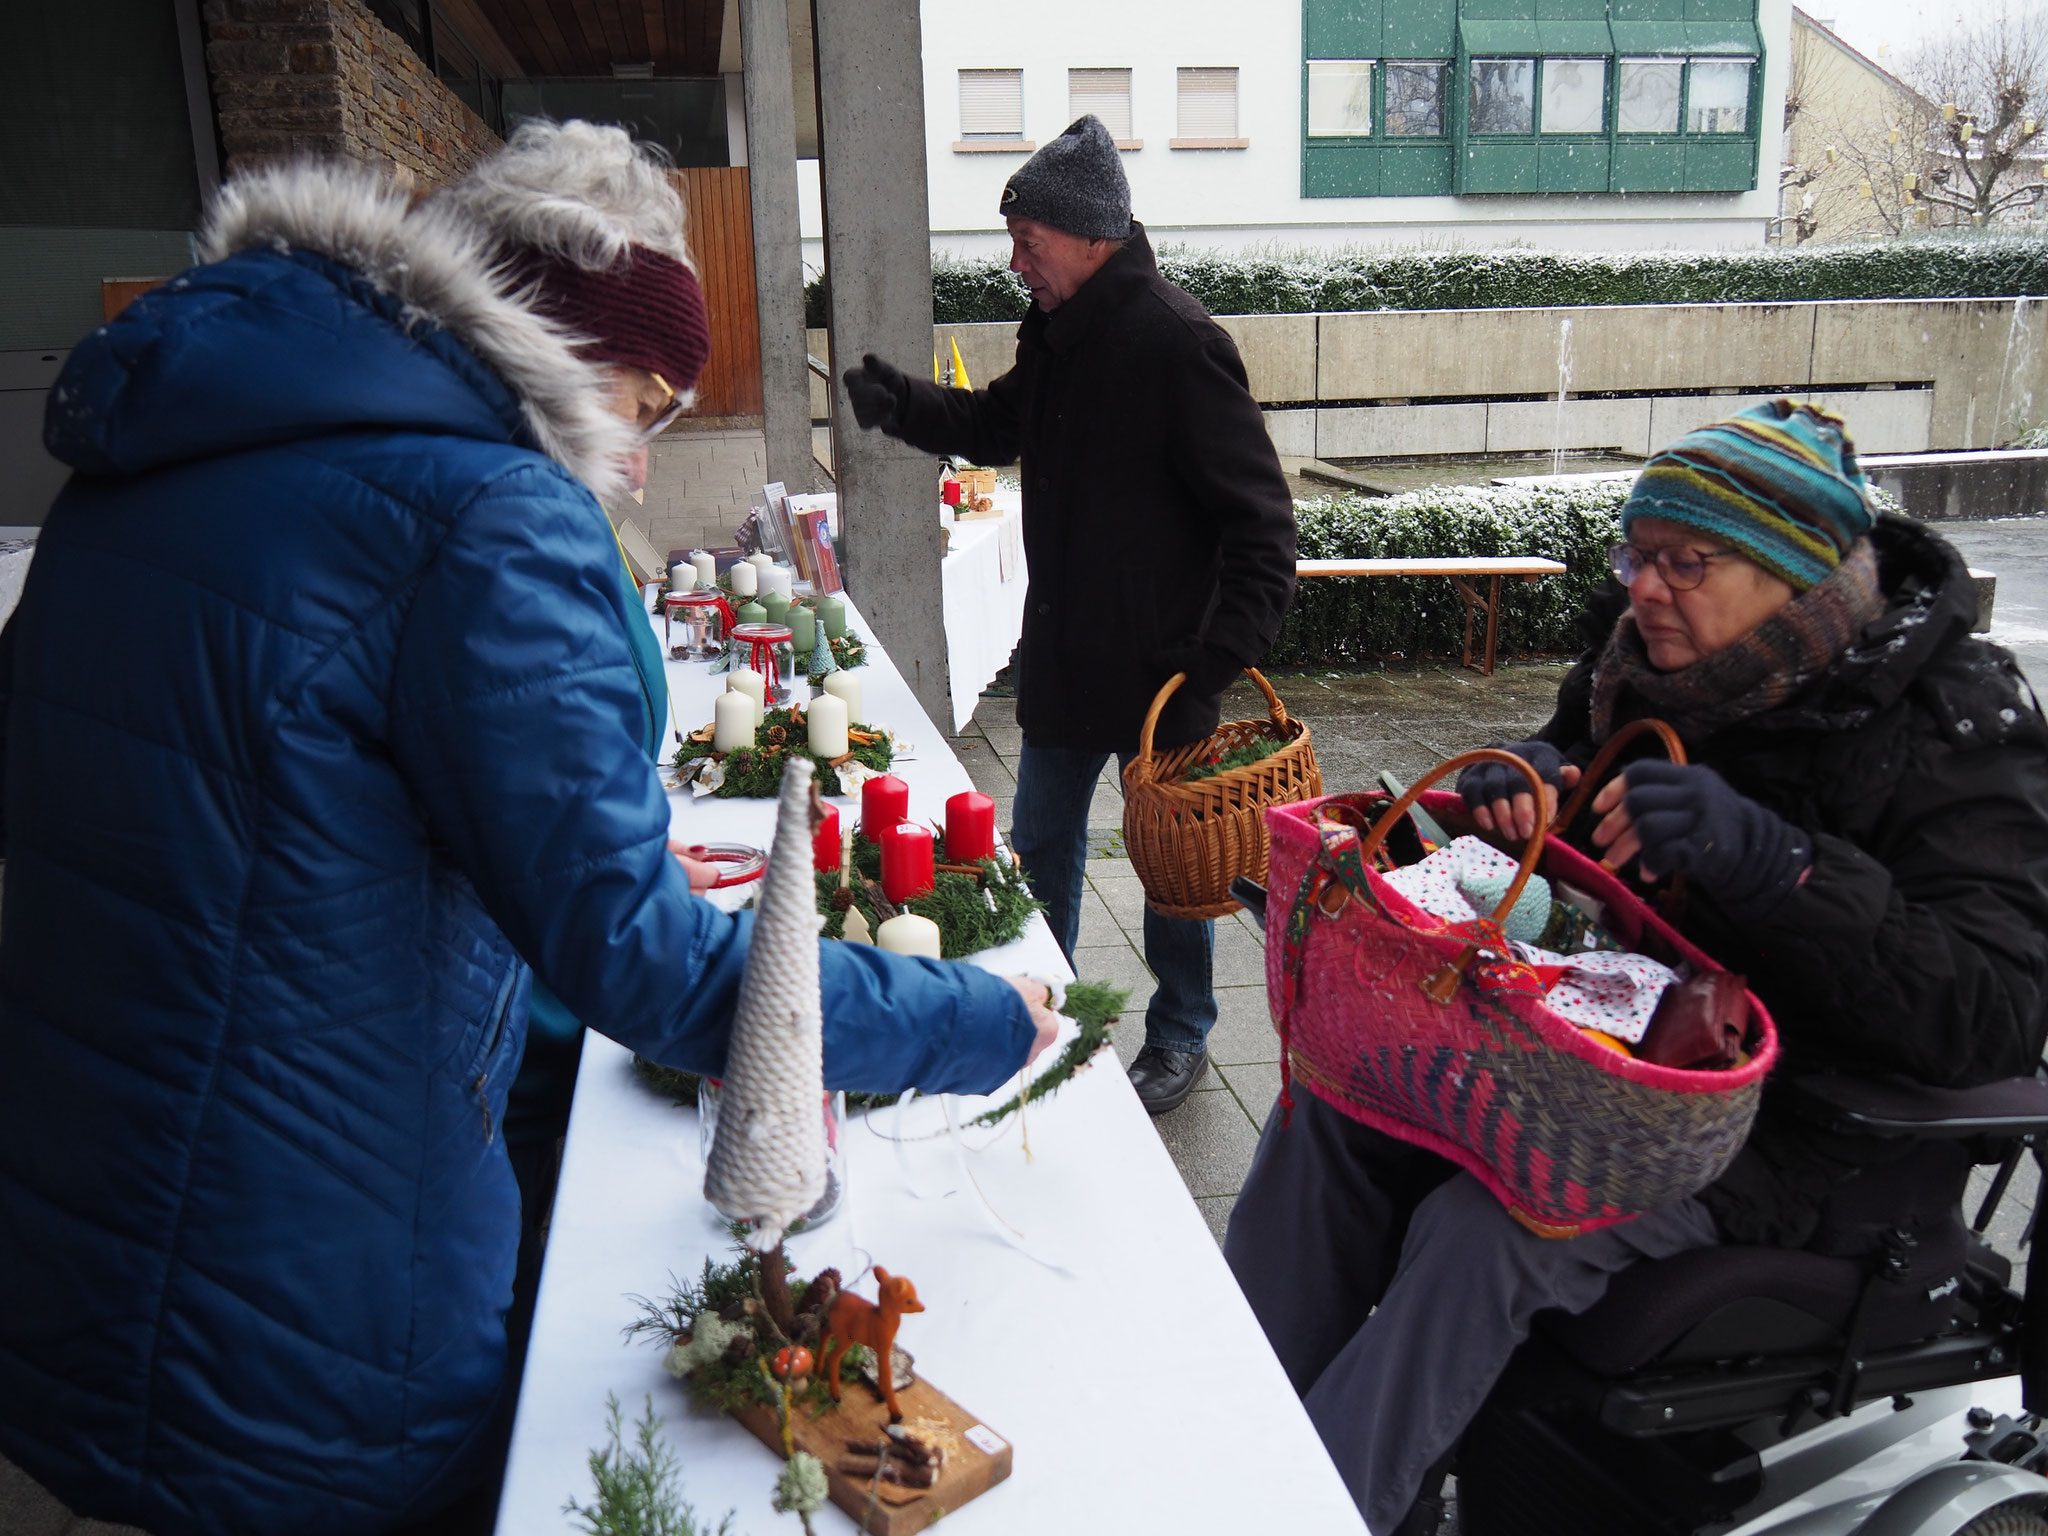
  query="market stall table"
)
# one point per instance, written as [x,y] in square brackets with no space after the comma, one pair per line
[1082,1311]
[982,581]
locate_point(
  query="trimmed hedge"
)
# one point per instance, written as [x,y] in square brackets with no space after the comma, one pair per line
[1336,622]
[970,289]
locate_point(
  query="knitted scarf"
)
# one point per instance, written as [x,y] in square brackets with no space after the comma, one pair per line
[1764,669]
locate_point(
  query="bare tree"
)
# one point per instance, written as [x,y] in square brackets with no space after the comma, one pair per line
[1986,143]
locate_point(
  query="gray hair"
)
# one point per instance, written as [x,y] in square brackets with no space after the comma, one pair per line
[580,192]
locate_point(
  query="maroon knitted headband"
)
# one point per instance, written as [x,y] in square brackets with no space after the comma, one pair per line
[647,312]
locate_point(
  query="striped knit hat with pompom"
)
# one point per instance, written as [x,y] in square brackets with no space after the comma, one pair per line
[1779,482]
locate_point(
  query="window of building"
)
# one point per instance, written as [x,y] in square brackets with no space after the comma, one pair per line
[1415,98]
[1717,96]
[1503,96]
[991,104]
[1574,95]
[1208,104]
[1339,98]
[1647,101]
[1104,92]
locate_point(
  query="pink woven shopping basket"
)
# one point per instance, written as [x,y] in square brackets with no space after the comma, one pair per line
[1434,1033]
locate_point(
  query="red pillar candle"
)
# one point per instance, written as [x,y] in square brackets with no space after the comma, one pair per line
[884,801]
[970,828]
[906,861]
[825,841]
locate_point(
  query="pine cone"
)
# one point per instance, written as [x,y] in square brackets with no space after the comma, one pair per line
[777,736]
[842,900]
[740,1350]
[823,1287]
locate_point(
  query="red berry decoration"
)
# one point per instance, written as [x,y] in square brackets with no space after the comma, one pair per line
[792,1361]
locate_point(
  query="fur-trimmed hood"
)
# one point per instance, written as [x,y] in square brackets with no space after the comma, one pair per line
[445,272]
[431,334]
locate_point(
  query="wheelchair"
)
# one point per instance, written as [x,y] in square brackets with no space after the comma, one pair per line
[1901,1390]
[1737,1391]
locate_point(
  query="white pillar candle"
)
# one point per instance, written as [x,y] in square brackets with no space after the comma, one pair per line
[706,566]
[779,578]
[746,580]
[908,934]
[828,725]
[732,715]
[760,560]
[748,682]
[844,685]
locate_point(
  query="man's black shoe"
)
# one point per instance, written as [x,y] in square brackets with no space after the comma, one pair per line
[1165,1078]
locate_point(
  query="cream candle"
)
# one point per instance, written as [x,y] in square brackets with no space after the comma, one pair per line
[844,685]
[706,566]
[760,560]
[749,682]
[908,934]
[746,580]
[828,719]
[732,715]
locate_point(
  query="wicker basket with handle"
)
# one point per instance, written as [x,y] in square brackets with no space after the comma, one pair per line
[1188,839]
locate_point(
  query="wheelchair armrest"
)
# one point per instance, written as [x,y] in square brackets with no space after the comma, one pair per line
[1893,1106]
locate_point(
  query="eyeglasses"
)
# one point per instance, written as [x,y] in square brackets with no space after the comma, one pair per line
[675,407]
[1682,569]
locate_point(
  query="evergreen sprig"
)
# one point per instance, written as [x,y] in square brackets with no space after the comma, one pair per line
[639,1489]
[1258,749]
[1094,1005]
[755,773]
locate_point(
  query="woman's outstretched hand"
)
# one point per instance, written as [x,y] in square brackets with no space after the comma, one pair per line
[1499,798]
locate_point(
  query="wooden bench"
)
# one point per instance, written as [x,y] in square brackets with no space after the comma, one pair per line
[1462,570]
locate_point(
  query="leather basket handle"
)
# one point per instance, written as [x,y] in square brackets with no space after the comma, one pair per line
[1441,985]
[1603,763]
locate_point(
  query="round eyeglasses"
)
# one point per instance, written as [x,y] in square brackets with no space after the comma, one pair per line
[1682,569]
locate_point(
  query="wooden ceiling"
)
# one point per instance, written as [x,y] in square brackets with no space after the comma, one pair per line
[587,37]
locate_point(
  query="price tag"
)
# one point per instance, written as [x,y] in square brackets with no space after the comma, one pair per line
[982,1438]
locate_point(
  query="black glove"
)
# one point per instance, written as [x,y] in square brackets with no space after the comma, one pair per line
[1484,783]
[1209,671]
[878,392]
[1689,821]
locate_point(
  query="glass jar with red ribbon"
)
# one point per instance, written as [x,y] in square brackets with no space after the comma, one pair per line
[769,649]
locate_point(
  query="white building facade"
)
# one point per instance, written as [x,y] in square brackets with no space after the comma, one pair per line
[1577,124]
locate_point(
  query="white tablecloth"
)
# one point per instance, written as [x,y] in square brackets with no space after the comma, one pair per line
[1108,1343]
[983,579]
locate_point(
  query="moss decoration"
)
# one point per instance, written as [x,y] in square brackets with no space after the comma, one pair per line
[1251,752]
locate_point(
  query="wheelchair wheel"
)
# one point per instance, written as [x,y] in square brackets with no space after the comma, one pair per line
[2007,1520]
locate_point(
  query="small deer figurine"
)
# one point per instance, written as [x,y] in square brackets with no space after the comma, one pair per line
[856,1320]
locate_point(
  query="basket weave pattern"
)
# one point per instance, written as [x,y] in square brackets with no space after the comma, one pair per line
[1567,1134]
[1187,840]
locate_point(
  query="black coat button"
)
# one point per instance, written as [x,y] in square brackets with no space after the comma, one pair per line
[1045,608]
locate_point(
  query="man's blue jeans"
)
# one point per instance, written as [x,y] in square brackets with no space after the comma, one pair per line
[1049,832]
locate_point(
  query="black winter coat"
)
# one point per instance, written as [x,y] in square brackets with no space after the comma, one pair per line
[1157,525]
[1918,944]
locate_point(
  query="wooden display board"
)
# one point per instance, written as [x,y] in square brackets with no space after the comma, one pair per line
[976,1458]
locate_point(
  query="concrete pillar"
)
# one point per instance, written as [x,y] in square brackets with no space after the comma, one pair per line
[878,266]
[778,242]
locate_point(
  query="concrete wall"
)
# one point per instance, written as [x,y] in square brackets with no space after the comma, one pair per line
[1910,375]
[325,77]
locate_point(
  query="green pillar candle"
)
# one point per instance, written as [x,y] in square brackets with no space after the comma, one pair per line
[776,606]
[832,614]
[752,613]
[803,625]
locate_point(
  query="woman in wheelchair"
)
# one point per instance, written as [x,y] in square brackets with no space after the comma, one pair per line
[1863,828]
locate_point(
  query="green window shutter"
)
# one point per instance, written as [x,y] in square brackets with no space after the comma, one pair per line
[1574,39]
[1574,165]
[1340,170]
[1498,38]
[1636,11]
[1633,39]
[1494,166]
[1419,29]
[1341,29]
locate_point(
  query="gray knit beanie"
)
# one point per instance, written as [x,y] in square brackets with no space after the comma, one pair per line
[1076,183]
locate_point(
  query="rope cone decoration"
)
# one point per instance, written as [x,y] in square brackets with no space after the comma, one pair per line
[768,1157]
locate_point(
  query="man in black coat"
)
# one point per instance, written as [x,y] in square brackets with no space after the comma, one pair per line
[1157,525]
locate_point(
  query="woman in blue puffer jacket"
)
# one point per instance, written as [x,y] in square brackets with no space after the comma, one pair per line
[322,739]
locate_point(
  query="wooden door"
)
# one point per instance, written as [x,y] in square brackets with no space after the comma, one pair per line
[720,221]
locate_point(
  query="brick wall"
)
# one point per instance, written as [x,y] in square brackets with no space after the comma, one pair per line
[325,77]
